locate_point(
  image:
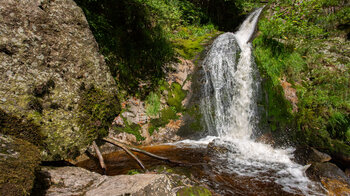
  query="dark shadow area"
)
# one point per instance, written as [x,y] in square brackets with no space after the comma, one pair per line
[135,47]
[41,183]
[61,163]
[225,14]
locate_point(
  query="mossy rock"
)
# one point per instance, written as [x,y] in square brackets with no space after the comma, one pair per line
[47,103]
[98,109]
[20,128]
[194,191]
[176,96]
[18,161]
[193,124]
[131,128]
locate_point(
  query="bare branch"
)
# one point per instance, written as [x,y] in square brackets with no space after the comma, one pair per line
[125,148]
[99,155]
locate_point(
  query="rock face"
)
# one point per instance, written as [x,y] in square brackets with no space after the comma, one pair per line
[78,181]
[18,161]
[326,170]
[135,111]
[306,155]
[53,76]
[331,177]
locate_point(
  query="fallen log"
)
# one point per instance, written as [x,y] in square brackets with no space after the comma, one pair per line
[116,142]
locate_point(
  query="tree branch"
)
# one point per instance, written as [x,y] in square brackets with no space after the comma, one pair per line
[99,155]
[125,148]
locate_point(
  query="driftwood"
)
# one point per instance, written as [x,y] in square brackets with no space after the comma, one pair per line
[99,155]
[128,148]
[125,148]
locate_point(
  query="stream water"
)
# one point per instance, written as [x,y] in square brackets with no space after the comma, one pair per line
[229,161]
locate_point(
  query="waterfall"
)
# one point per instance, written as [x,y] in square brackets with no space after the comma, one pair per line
[229,108]
[229,105]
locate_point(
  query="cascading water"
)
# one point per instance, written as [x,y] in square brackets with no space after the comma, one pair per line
[229,110]
[229,105]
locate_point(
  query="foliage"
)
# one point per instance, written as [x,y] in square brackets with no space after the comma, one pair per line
[166,115]
[175,96]
[152,104]
[133,43]
[306,19]
[292,36]
[188,41]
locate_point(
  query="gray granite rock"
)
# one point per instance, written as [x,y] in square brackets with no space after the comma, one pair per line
[48,60]
[78,181]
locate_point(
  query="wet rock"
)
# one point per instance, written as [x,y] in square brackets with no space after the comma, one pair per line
[336,187]
[215,148]
[266,138]
[18,161]
[48,62]
[332,178]
[78,181]
[319,171]
[306,155]
[167,133]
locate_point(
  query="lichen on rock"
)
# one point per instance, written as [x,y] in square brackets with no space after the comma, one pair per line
[48,60]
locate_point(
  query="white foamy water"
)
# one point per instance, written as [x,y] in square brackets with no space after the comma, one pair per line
[229,110]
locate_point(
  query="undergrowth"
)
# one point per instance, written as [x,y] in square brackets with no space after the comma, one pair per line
[295,43]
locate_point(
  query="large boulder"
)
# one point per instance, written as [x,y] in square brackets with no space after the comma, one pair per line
[18,161]
[306,155]
[52,77]
[78,181]
[331,177]
[326,170]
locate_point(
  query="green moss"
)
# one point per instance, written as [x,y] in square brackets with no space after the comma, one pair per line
[174,100]
[166,115]
[131,128]
[21,128]
[152,104]
[194,191]
[133,172]
[98,109]
[196,124]
[17,172]
[192,122]
[175,96]
[189,41]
